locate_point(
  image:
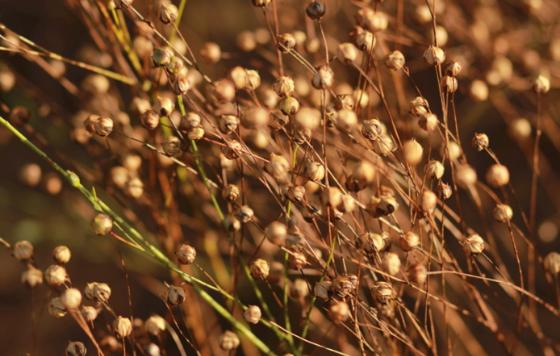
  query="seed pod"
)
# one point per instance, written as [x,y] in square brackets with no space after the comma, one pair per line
[211,52]
[480,141]
[347,52]
[454,68]
[373,242]
[409,241]
[98,292]
[364,39]
[418,274]
[244,78]
[135,188]
[551,263]
[391,263]
[444,190]
[278,167]
[428,122]
[286,42]
[260,269]
[323,77]
[71,298]
[314,171]
[503,213]
[122,327]
[32,277]
[284,86]
[520,129]
[261,3]
[434,55]
[186,254]
[315,10]
[228,123]
[150,120]
[172,146]
[62,254]
[55,275]
[246,41]
[175,295]
[168,12]
[383,205]
[384,146]
[224,90]
[155,325]
[346,119]
[299,289]
[474,244]
[412,152]
[22,250]
[76,348]
[383,292]
[429,201]
[229,341]
[102,224]
[435,169]
[89,313]
[277,233]
[289,105]
[162,56]
[395,60]
[298,260]
[30,174]
[373,20]
[339,311]
[164,105]
[373,129]
[231,192]
[246,214]
[479,90]
[344,286]
[252,314]
[56,308]
[465,175]
[7,80]
[541,84]
[497,175]
[419,106]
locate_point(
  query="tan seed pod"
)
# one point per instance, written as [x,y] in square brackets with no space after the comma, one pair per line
[22,250]
[71,298]
[347,52]
[299,288]
[30,174]
[55,275]
[520,128]
[551,263]
[277,233]
[175,295]
[435,169]
[391,263]
[339,311]
[102,224]
[76,348]
[211,52]
[122,326]
[252,314]
[434,55]
[62,254]
[474,244]
[89,313]
[409,240]
[229,341]
[429,201]
[541,84]
[284,86]
[412,152]
[395,60]
[168,12]
[323,77]
[150,119]
[428,122]
[503,213]
[56,308]
[480,141]
[260,269]
[186,254]
[466,176]
[450,84]
[155,325]
[32,277]
[418,274]
[497,175]
[479,90]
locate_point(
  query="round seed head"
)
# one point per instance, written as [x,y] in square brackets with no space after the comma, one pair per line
[454,68]
[289,105]
[552,263]
[260,269]
[89,313]
[391,263]
[503,213]
[252,314]
[435,169]
[162,56]
[71,298]
[229,341]
[168,12]
[479,90]
[308,118]
[62,254]
[474,244]
[76,348]
[365,40]
[541,84]
[409,240]
[211,52]
[284,86]
[102,224]
[347,52]
[122,327]
[412,152]
[22,250]
[315,10]
[32,277]
[418,274]
[175,295]
[56,308]
[520,129]
[56,275]
[466,176]
[172,146]
[450,84]
[395,60]
[339,311]
[135,187]
[428,122]
[155,324]
[434,55]
[150,120]
[261,3]
[497,175]
[480,141]
[186,254]
[323,77]
[277,233]
[299,289]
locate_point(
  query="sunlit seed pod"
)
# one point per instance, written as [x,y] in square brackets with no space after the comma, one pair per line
[168,12]
[323,77]
[383,292]
[373,129]
[395,60]
[155,325]
[186,254]
[172,146]
[299,288]
[289,105]
[150,120]
[346,119]
[497,175]
[423,14]
[541,84]
[466,176]
[260,269]
[97,292]
[339,311]
[364,39]
[122,326]
[551,263]
[228,123]
[232,150]
[132,162]
[503,213]
[418,274]
[419,106]
[32,277]
[175,295]
[315,10]
[61,254]
[474,244]
[246,214]
[428,122]
[279,167]
[244,78]
[7,80]
[162,56]
[384,145]
[412,152]
[480,141]
[435,169]
[298,260]
[347,52]
[252,314]
[314,171]
[409,240]
[164,105]
[520,128]
[391,263]
[444,190]
[277,233]
[246,41]
[56,308]
[434,55]
[382,205]
[373,242]
[255,117]
[450,84]
[75,348]
[373,20]
[22,250]
[96,84]
[284,86]
[89,313]
[135,187]
[429,201]
[143,46]
[102,224]
[211,52]
[286,42]
[224,90]
[71,298]
[232,223]
[454,68]
[231,192]
[453,151]
[479,90]
[229,341]
[140,105]
[55,275]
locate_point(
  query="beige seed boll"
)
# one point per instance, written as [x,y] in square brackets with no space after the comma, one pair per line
[480,141]
[56,308]
[168,12]
[454,68]
[186,254]
[434,55]
[384,146]
[30,174]
[96,84]
[450,84]
[122,326]
[229,341]
[465,175]
[520,128]
[419,106]
[224,90]
[435,169]
[76,348]
[497,175]
[314,171]
[386,204]
[98,292]
[246,214]
[289,105]
[339,311]
[395,60]
[32,277]
[418,274]
[175,295]
[252,314]
[71,298]
[243,78]
[261,3]
[277,233]
[299,289]
[89,313]
[391,263]
[479,90]
[286,42]
[55,275]
[323,77]
[22,250]
[119,176]
[373,242]
[541,84]
[409,241]
[412,152]
[7,80]
[298,260]
[551,263]
[308,118]
[260,269]
[373,129]
[256,117]
[346,119]
[102,224]
[474,244]
[453,150]
[503,213]
[429,201]
[428,122]
[246,41]
[444,190]
[150,120]
[383,292]
[172,146]
[211,52]
[62,254]
[284,86]
[132,162]
[228,123]
[347,52]
[231,192]
[164,105]
[364,39]
[143,46]
[135,188]
[155,325]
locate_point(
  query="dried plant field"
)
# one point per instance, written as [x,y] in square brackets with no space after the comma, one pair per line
[280,177]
